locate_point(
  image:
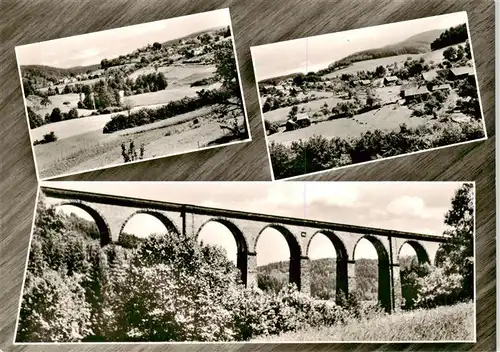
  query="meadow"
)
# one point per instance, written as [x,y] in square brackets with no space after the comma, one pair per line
[386,118]
[93,149]
[446,323]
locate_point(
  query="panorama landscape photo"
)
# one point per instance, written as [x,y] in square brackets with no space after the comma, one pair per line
[250,262]
[133,93]
[352,97]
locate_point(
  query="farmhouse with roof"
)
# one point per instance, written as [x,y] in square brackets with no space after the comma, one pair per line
[441,87]
[415,94]
[390,80]
[429,75]
[461,72]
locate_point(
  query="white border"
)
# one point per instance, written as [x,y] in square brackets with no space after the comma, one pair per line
[387,158]
[249,139]
[253,342]
[37,197]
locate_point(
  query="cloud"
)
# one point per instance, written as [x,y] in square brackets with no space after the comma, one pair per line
[87,53]
[407,205]
[415,207]
[333,194]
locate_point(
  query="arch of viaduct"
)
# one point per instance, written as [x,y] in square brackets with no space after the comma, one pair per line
[111,214]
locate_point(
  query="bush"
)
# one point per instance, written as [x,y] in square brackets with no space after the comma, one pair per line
[203,82]
[173,108]
[34,119]
[47,138]
[317,153]
[130,154]
[271,128]
[72,114]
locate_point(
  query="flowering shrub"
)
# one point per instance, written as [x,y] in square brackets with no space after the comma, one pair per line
[438,288]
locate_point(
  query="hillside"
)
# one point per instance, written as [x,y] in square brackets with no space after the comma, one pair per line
[192,35]
[51,73]
[274,275]
[417,44]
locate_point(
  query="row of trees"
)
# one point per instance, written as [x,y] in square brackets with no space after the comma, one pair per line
[451,36]
[318,153]
[35,120]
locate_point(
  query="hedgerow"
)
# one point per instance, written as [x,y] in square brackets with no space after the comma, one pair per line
[318,153]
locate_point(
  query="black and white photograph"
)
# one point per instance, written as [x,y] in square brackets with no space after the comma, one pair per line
[252,262]
[133,93]
[341,99]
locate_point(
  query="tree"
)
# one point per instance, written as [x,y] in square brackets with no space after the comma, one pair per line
[56,115]
[450,54]
[45,101]
[459,250]
[104,64]
[298,80]
[72,114]
[292,114]
[34,119]
[157,46]
[230,102]
[380,71]
[28,87]
[53,309]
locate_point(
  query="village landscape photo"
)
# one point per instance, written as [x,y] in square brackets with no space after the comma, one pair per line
[132,93]
[367,94]
[250,262]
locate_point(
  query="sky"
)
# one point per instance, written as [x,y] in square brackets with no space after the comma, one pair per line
[314,53]
[89,49]
[406,206]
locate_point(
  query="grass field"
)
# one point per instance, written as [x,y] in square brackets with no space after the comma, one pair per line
[179,74]
[164,96]
[386,119]
[280,115]
[452,323]
[93,149]
[57,101]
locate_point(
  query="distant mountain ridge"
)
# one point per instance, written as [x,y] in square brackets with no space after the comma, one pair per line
[57,72]
[323,276]
[416,44]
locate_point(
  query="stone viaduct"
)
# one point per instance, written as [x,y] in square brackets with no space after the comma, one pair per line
[111,213]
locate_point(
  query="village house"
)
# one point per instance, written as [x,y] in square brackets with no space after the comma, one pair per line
[390,80]
[441,87]
[461,72]
[429,75]
[197,52]
[364,82]
[280,88]
[416,94]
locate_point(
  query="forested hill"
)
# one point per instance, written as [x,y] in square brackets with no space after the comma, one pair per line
[417,44]
[51,73]
[323,276]
[193,35]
